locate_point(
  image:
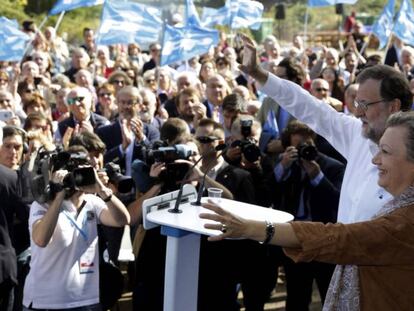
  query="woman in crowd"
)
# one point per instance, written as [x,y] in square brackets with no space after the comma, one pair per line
[336,83]
[64,270]
[375,258]
[107,106]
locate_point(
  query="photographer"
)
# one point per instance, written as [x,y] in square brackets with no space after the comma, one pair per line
[308,186]
[64,267]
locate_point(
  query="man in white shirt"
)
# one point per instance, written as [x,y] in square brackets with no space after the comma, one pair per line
[382,91]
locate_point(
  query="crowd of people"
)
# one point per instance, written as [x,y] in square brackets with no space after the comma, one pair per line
[300,125]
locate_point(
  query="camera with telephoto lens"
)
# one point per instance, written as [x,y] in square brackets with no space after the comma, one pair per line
[45,162]
[247,145]
[123,183]
[307,152]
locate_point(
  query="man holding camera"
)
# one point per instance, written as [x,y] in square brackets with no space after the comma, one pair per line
[308,187]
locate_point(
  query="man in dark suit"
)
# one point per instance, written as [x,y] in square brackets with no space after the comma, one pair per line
[228,263]
[216,89]
[9,207]
[79,100]
[309,184]
[127,137]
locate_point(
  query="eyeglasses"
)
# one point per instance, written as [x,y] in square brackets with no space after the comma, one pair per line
[320,89]
[74,100]
[150,80]
[206,139]
[118,82]
[104,94]
[364,106]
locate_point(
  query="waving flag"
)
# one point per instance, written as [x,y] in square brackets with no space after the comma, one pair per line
[183,43]
[13,41]
[191,15]
[67,5]
[127,22]
[404,23]
[211,17]
[246,14]
[236,14]
[383,26]
[316,3]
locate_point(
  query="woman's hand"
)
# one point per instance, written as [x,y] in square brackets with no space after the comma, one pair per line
[230,225]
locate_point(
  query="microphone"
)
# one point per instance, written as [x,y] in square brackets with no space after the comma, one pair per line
[222,148]
[176,209]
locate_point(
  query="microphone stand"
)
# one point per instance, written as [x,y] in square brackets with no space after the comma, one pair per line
[176,209]
[201,188]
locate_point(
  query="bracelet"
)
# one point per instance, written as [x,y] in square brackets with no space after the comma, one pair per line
[270,232]
[109,197]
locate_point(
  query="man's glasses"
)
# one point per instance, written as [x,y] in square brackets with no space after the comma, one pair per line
[321,89]
[364,106]
[74,100]
[206,139]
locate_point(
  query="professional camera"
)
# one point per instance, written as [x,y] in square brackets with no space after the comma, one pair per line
[52,161]
[174,172]
[168,154]
[307,152]
[123,183]
[248,146]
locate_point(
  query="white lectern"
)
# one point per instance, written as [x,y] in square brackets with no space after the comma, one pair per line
[183,240]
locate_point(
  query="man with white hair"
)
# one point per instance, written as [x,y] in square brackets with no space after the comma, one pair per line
[81,117]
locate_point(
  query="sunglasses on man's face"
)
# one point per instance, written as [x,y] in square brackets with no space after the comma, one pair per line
[206,139]
[74,100]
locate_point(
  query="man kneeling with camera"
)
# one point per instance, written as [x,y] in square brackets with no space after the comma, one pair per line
[63,227]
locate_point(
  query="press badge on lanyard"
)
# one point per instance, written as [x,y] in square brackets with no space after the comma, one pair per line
[86,261]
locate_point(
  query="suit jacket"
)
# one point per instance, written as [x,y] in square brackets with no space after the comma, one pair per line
[9,207]
[111,135]
[209,113]
[322,199]
[96,120]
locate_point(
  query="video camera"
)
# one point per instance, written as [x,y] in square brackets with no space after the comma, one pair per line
[123,183]
[174,172]
[51,161]
[248,147]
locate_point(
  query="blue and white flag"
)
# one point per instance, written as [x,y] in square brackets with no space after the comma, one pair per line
[383,26]
[67,5]
[246,14]
[13,41]
[317,3]
[236,14]
[191,15]
[183,43]
[128,22]
[212,17]
[404,23]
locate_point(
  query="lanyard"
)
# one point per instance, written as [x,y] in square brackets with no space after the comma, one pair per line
[83,232]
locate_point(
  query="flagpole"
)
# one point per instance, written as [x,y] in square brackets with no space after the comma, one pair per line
[30,41]
[305,30]
[59,20]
